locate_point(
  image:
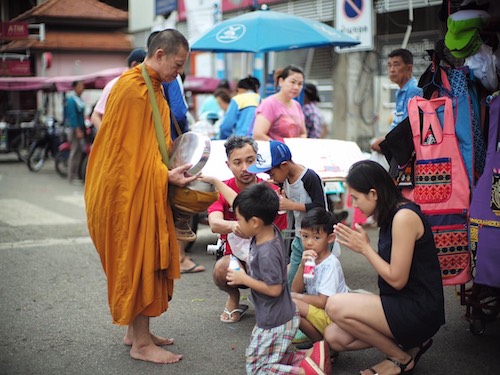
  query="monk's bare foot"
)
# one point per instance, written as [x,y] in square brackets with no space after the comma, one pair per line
[153,353]
[157,340]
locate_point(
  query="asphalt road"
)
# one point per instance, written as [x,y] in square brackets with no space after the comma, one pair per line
[54,317]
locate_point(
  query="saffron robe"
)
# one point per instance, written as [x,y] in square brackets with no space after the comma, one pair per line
[128,214]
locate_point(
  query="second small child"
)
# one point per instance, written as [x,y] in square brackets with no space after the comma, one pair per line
[317,236]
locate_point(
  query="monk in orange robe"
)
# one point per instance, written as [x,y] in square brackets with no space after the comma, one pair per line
[129,216]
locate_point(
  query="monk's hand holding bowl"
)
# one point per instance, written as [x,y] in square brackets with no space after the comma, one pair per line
[178,176]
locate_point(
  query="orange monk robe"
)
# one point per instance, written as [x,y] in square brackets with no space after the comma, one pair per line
[129,218]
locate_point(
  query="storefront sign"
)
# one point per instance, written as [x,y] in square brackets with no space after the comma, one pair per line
[355,18]
[13,30]
[15,68]
[202,15]
[227,6]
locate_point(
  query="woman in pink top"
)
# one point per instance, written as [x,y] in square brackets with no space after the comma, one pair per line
[279,116]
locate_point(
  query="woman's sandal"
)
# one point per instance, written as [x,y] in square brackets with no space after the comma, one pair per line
[422,348]
[402,366]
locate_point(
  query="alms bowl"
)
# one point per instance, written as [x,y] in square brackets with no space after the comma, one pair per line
[190,148]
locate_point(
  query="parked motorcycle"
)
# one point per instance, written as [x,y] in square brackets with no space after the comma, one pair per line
[62,156]
[18,137]
[45,146]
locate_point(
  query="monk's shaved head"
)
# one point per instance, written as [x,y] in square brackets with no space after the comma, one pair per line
[170,41]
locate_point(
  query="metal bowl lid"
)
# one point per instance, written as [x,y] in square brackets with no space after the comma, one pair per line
[190,148]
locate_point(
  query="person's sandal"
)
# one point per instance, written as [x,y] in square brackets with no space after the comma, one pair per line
[422,348]
[235,315]
[402,366]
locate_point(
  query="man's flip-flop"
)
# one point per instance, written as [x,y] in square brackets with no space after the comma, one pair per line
[193,269]
[235,315]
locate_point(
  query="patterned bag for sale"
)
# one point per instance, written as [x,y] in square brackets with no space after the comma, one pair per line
[441,180]
[451,236]
[441,184]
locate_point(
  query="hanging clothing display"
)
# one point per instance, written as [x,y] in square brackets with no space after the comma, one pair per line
[485,208]
[441,184]
[479,141]
[455,80]
[453,83]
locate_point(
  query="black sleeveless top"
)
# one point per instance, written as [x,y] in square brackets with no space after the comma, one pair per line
[415,312]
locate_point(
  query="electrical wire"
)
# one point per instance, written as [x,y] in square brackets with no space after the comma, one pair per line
[364,90]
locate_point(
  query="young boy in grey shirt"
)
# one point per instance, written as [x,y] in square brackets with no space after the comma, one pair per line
[277,318]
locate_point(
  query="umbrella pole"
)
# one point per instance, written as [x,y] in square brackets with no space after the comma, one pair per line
[259,70]
[220,65]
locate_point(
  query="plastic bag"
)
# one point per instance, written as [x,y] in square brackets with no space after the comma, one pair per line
[239,246]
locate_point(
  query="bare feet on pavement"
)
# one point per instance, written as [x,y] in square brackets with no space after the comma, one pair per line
[157,340]
[153,353]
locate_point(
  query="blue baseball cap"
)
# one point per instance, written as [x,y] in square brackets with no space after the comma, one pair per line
[270,155]
[138,55]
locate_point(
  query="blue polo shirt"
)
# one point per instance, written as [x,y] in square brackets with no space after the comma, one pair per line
[403,95]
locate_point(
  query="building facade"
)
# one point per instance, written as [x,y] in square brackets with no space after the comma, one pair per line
[357,97]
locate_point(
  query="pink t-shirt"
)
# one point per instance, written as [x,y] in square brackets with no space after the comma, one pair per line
[100,106]
[286,121]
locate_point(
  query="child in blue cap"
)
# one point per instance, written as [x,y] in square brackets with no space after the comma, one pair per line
[302,190]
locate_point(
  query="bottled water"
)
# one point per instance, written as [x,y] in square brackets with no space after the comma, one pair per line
[233,263]
[309,268]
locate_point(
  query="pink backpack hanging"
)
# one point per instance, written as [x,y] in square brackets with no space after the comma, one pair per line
[441,185]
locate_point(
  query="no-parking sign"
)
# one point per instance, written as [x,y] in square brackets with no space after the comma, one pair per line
[355,18]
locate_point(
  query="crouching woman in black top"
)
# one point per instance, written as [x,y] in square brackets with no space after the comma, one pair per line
[401,321]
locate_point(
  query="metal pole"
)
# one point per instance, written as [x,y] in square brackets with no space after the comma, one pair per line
[409,27]
[220,59]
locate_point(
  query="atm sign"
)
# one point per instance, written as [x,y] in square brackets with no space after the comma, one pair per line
[13,30]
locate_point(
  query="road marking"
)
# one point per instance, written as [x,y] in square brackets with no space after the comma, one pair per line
[16,212]
[76,199]
[45,242]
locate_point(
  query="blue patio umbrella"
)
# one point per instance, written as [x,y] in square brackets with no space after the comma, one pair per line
[266,31]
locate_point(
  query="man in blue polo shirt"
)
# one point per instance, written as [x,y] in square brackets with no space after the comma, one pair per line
[400,66]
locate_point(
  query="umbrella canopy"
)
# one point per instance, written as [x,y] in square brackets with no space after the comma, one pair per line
[22,83]
[266,30]
[200,85]
[95,80]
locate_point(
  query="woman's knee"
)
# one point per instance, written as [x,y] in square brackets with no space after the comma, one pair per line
[332,337]
[333,306]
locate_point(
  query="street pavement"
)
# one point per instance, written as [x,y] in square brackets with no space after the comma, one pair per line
[54,317]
